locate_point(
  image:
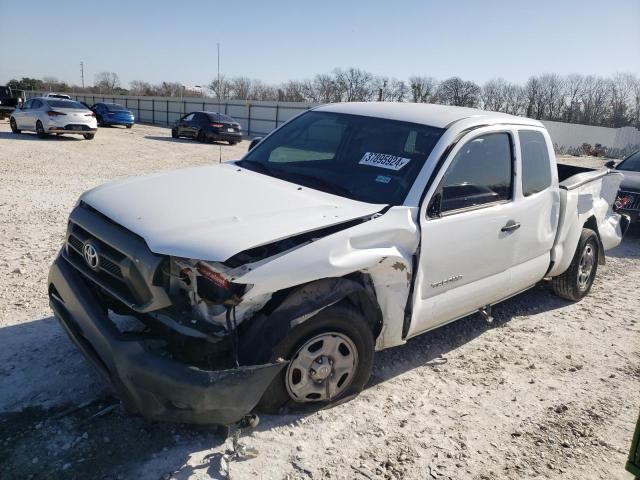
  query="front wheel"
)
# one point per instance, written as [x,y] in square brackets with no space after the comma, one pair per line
[201,137]
[174,133]
[330,358]
[129,126]
[89,136]
[40,130]
[14,125]
[575,283]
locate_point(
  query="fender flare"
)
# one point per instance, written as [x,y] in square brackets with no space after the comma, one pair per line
[265,330]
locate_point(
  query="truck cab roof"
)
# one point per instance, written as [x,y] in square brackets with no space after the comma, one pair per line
[440,116]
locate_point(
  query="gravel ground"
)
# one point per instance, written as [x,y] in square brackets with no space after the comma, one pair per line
[549,390]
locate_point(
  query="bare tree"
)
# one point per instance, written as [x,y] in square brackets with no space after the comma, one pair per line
[620,94]
[515,99]
[326,88]
[241,87]
[422,89]
[107,81]
[635,95]
[139,87]
[594,100]
[262,92]
[494,95]
[355,84]
[222,91]
[573,91]
[458,92]
[292,91]
[552,96]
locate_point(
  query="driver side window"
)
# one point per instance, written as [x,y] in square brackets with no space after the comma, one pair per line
[480,173]
[188,118]
[27,105]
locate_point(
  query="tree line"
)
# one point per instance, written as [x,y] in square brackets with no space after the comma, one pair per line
[587,99]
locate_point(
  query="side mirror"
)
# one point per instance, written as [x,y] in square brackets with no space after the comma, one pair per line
[610,164]
[254,142]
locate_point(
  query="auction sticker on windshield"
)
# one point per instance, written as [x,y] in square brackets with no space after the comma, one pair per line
[383,160]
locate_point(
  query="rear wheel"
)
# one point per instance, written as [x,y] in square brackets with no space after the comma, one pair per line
[201,136]
[233,142]
[40,130]
[88,136]
[575,283]
[330,358]
[129,126]
[14,125]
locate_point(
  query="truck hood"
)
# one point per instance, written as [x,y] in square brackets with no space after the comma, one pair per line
[213,212]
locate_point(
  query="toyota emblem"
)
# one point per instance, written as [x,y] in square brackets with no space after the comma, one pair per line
[90,253]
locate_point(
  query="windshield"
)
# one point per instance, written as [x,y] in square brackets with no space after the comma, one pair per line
[65,104]
[114,107]
[364,158]
[631,163]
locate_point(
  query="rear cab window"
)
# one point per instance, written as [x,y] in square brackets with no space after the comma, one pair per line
[536,166]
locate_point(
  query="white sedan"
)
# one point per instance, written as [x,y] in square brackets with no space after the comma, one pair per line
[53,115]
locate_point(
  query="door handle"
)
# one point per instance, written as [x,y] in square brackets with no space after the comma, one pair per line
[510,226]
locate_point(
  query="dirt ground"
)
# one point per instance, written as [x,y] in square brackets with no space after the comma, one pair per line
[549,390]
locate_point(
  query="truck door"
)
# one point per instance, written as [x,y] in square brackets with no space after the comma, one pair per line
[536,208]
[467,225]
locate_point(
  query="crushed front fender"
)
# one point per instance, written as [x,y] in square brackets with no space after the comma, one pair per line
[154,386]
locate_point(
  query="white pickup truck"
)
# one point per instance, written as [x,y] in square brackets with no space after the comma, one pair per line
[351,228]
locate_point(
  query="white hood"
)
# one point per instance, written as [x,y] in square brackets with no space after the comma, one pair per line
[213,212]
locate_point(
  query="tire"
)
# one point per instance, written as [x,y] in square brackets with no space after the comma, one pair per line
[14,126]
[575,283]
[174,133]
[89,136]
[340,324]
[129,126]
[233,142]
[201,136]
[40,130]
[99,121]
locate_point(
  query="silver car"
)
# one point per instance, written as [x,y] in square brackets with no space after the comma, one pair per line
[52,115]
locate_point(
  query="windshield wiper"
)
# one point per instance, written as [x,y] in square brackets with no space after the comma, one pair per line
[261,166]
[325,185]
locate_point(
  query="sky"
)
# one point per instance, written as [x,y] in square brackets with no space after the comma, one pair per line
[276,41]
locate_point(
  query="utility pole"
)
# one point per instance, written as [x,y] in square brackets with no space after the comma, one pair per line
[82,73]
[218,74]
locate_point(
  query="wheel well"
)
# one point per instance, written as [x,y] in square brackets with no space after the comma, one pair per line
[592,224]
[300,303]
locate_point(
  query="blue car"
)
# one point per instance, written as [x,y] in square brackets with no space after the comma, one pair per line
[113,114]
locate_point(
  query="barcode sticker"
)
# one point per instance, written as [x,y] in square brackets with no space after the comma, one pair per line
[383,160]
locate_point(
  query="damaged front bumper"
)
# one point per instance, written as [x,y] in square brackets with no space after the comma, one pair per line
[156,387]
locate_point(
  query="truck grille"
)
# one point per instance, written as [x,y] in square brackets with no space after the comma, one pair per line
[77,239]
[126,268]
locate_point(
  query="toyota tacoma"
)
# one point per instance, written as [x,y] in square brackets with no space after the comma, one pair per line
[272,280]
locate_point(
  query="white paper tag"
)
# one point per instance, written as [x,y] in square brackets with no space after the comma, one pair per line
[383,160]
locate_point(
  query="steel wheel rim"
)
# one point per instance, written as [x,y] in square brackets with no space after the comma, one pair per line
[585,266]
[322,368]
